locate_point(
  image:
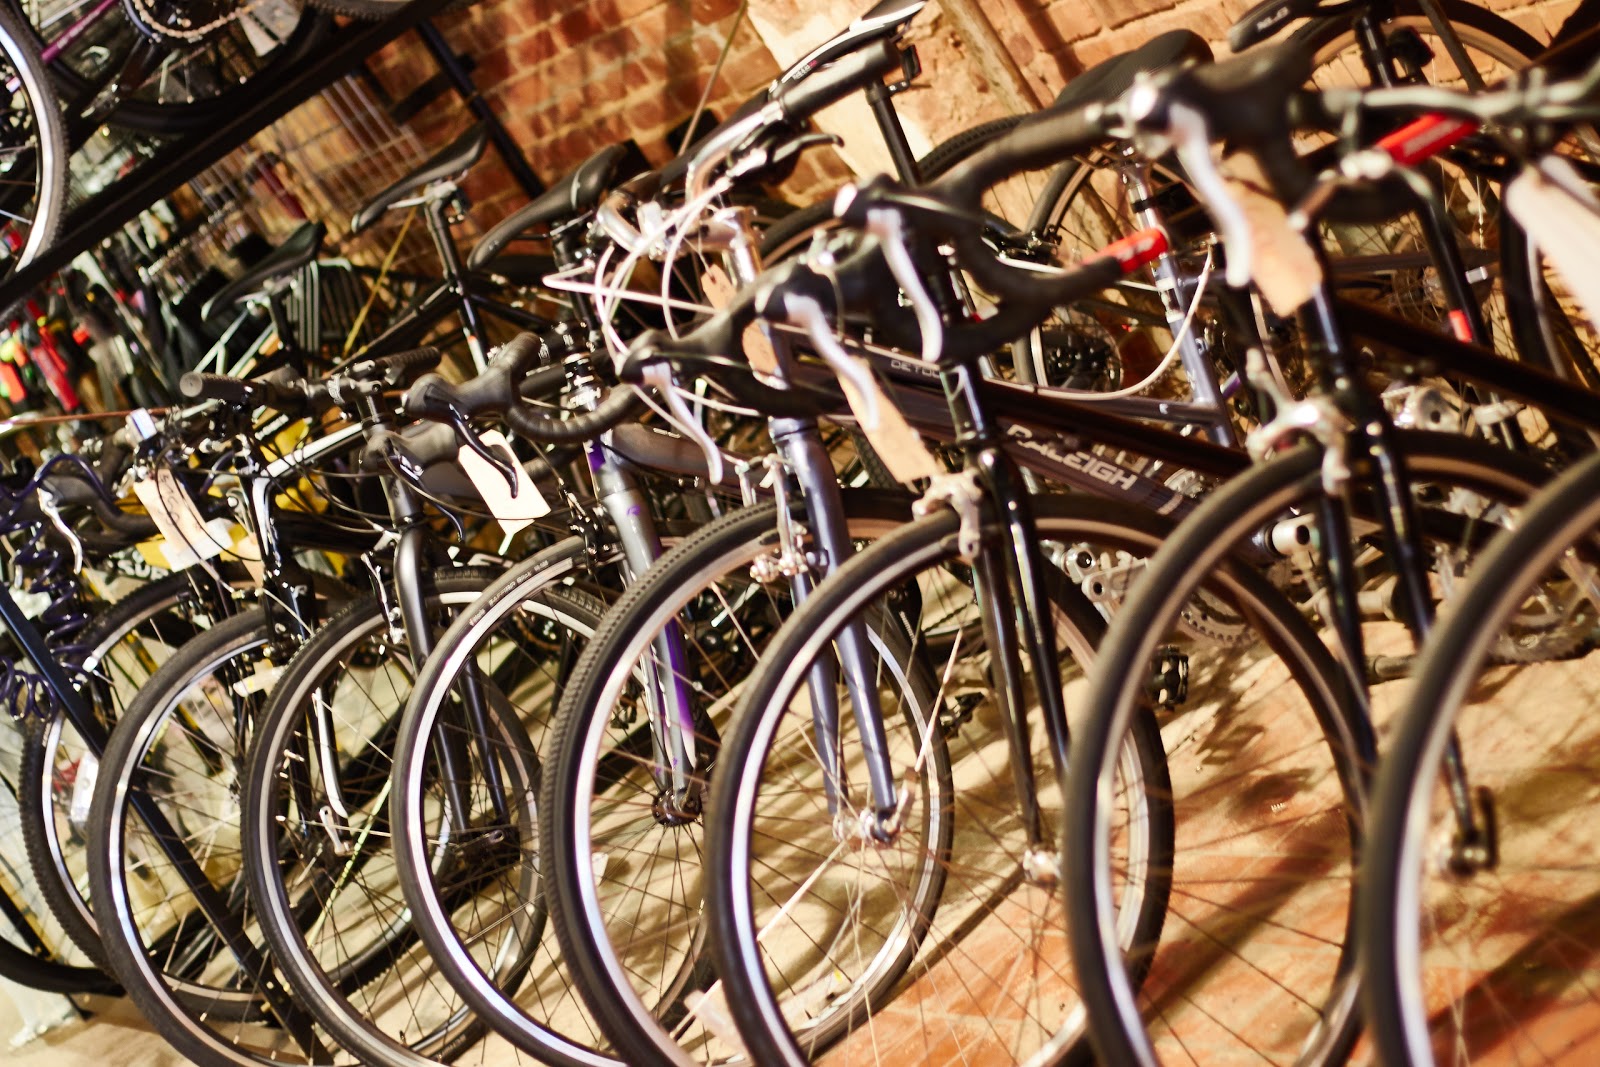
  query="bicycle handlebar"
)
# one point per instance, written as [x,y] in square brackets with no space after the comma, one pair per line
[505,387]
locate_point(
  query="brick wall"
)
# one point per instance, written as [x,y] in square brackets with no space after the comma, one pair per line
[569,76]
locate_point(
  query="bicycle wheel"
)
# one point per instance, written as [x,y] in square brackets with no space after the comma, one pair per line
[166,873]
[34,950]
[940,940]
[316,835]
[621,871]
[1270,754]
[182,79]
[33,151]
[1478,936]
[119,651]
[473,891]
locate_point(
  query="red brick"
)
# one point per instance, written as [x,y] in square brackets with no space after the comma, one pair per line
[579,26]
[533,48]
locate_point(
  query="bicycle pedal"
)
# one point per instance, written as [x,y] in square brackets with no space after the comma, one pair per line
[1168,686]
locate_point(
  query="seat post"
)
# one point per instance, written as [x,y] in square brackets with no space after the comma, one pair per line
[455,276]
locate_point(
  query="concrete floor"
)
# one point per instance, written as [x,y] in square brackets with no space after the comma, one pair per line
[115,1035]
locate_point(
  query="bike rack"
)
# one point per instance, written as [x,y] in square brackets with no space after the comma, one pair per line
[104,214]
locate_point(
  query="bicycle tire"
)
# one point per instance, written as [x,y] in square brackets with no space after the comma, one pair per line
[536,589]
[1032,1024]
[164,607]
[43,107]
[1534,886]
[725,548]
[192,1007]
[175,118]
[1343,756]
[38,965]
[329,986]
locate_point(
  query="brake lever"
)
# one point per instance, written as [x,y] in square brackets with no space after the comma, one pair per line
[47,504]
[806,313]
[507,470]
[659,375]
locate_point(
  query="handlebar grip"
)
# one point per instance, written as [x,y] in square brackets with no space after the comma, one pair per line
[197,386]
[621,404]
[401,366]
[242,393]
[138,527]
[518,355]
[807,95]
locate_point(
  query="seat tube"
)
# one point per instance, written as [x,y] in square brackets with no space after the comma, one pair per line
[1177,292]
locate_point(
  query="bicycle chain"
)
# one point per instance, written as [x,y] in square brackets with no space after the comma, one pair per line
[152,23]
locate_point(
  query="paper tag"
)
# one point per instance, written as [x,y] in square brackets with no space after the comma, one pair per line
[83,778]
[711,1008]
[896,443]
[189,538]
[1563,225]
[264,677]
[719,290]
[514,508]
[268,24]
[1282,262]
[31,603]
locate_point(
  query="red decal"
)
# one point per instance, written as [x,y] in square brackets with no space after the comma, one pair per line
[1428,136]
[1138,250]
[1460,326]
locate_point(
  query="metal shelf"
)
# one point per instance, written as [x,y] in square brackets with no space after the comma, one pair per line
[107,212]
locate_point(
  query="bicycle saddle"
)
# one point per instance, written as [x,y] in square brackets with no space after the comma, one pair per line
[300,248]
[887,18]
[578,193]
[1109,79]
[454,158]
[1270,16]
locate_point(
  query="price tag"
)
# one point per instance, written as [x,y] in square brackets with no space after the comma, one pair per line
[891,436]
[189,538]
[1558,212]
[1284,266]
[719,290]
[514,507]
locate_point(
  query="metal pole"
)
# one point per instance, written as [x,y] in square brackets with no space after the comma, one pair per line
[451,66]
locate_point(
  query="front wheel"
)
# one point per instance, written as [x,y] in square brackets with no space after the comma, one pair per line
[1479,926]
[932,931]
[1270,742]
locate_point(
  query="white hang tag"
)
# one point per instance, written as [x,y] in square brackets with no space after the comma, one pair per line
[719,290]
[1564,225]
[711,1008]
[513,507]
[189,538]
[1282,262]
[83,779]
[264,677]
[896,443]
[269,24]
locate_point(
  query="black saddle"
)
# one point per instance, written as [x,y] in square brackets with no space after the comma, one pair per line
[887,18]
[576,194]
[456,157]
[301,248]
[1109,79]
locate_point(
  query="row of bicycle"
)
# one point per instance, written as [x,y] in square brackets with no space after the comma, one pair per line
[718,744]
